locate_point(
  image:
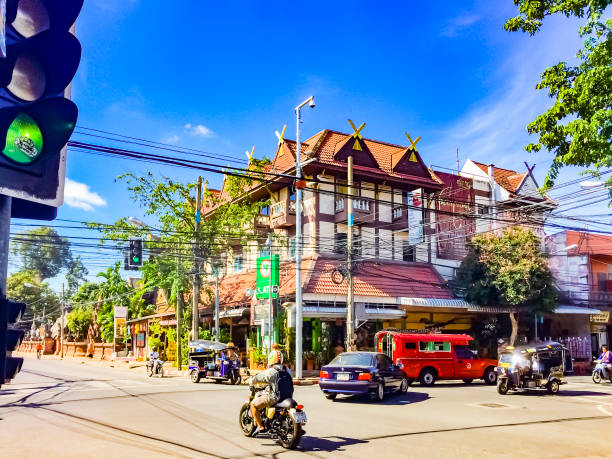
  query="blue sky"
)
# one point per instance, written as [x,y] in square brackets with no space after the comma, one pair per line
[223,76]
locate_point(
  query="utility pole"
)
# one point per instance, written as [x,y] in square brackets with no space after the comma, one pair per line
[217,304]
[62,307]
[179,311]
[195,320]
[350,298]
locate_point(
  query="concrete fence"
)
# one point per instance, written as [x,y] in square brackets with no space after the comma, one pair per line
[102,351]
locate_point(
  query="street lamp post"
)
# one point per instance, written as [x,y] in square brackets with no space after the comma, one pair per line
[298,242]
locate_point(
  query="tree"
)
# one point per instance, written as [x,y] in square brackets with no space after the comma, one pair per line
[41,300]
[508,270]
[578,127]
[77,273]
[112,291]
[42,251]
[79,320]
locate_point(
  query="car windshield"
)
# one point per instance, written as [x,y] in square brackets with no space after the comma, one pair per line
[506,357]
[352,359]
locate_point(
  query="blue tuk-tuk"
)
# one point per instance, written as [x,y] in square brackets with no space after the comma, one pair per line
[213,360]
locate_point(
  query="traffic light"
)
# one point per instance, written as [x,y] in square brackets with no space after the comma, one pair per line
[36,118]
[135,253]
[10,338]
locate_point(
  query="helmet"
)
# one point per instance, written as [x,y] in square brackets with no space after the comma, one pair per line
[275,356]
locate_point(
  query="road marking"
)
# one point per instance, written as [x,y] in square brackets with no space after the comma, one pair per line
[603,410]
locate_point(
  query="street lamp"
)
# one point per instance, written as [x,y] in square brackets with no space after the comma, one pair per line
[591,184]
[298,241]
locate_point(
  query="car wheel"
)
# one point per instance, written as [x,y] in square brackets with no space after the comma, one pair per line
[428,377]
[379,393]
[403,388]
[195,376]
[502,387]
[330,396]
[553,387]
[468,380]
[596,377]
[490,377]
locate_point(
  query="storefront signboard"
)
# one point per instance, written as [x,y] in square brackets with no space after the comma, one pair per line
[267,266]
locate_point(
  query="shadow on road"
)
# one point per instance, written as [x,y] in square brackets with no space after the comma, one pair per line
[328,444]
[390,399]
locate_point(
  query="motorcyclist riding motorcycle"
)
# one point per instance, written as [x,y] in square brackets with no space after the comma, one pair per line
[274,392]
[606,356]
[603,367]
[155,360]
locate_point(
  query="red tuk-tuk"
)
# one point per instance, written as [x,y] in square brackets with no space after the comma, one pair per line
[429,357]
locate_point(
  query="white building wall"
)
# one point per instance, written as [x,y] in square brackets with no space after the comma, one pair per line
[367,190]
[385,244]
[384,210]
[368,242]
[326,196]
[326,237]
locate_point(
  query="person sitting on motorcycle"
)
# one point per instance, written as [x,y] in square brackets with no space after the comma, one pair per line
[154,358]
[605,357]
[271,394]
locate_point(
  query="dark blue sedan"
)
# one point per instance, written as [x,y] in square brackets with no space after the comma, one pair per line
[362,373]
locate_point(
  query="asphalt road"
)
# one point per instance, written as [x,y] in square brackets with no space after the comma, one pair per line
[67,409]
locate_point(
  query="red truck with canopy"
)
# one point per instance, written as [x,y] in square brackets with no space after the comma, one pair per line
[429,357]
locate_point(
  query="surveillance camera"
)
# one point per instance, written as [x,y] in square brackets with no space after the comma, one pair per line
[311,104]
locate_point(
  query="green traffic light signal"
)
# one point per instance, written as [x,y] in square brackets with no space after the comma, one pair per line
[135,259]
[24,140]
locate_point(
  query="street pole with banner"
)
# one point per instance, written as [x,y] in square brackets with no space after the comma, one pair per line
[267,285]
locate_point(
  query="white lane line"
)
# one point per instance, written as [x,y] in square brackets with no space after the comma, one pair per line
[603,410]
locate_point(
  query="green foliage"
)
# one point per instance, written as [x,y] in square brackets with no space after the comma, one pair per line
[578,127]
[39,297]
[43,251]
[112,291]
[155,337]
[508,270]
[77,273]
[79,320]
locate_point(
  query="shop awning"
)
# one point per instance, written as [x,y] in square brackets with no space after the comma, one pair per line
[327,312]
[434,302]
[571,309]
[235,312]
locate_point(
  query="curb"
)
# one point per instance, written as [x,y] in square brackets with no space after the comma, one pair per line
[305,382]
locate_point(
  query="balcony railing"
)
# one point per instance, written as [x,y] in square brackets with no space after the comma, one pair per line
[278,209]
[359,204]
[339,204]
[397,213]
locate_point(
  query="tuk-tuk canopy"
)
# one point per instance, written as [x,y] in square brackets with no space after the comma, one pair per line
[535,348]
[202,345]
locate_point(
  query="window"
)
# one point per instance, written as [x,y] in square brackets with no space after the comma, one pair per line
[383,362]
[237,263]
[463,353]
[264,210]
[292,246]
[434,346]
[410,345]
[483,210]
[408,252]
[292,196]
[340,243]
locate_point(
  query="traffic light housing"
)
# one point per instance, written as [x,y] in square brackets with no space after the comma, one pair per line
[10,338]
[135,253]
[36,118]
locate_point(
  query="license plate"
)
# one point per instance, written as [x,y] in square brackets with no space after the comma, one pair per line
[342,376]
[300,417]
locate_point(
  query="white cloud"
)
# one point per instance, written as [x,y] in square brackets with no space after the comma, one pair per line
[493,129]
[458,24]
[172,139]
[199,130]
[79,195]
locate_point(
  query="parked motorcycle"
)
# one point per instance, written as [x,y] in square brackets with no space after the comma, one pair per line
[283,420]
[155,368]
[601,372]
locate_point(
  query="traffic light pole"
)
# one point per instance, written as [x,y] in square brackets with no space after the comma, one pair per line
[5,228]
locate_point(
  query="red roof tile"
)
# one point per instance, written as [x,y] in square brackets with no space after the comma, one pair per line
[381,279]
[506,178]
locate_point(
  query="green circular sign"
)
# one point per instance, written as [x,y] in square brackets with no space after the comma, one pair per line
[24,140]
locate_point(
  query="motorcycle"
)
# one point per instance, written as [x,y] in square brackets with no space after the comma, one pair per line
[155,369]
[601,372]
[283,420]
